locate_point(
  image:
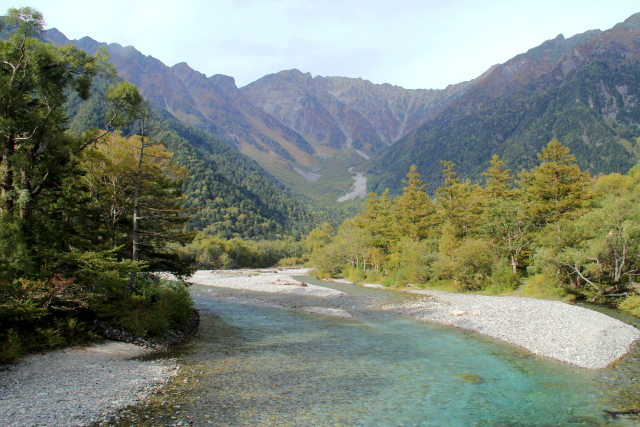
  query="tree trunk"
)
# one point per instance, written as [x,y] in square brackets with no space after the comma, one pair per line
[135,234]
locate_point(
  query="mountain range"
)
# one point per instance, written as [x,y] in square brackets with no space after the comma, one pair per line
[291,123]
[313,133]
[584,90]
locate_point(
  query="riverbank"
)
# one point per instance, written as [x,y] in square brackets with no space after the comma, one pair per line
[277,281]
[553,329]
[79,385]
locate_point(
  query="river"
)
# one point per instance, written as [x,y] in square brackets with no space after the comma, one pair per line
[253,363]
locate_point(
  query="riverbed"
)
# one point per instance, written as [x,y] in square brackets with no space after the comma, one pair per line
[259,358]
[359,188]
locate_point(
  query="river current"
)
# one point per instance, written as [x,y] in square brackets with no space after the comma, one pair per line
[253,363]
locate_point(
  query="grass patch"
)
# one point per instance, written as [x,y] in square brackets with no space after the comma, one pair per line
[539,286]
[630,304]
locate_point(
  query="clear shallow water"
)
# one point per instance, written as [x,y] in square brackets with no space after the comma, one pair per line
[252,363]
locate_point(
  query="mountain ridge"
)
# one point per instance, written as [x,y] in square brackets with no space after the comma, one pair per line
[582,90]
[319,128]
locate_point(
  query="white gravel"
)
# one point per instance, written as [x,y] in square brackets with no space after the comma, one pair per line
[553,329]
[78,385]
[264,280]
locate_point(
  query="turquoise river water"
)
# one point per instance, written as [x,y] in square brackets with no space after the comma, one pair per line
[252,363]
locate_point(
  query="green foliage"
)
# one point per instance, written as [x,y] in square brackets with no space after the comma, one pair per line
[416,212]
[64,262]
[541,286]
[471,265]
[503,280]
[110,169]
[319,237]
[153,308]
[412,261]
[631,304]
[215,252]
[327,261]
[557,188]
[573,237]
[460,202]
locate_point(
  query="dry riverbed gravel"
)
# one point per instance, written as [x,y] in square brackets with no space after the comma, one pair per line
[78,385]
[277,281]
[554,329]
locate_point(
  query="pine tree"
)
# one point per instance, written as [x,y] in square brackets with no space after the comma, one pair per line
[499,181]
[557,188]
[416,212]
[460,203]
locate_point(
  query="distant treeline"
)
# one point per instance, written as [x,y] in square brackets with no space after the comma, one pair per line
[553,228]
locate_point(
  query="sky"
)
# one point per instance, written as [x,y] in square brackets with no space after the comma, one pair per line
[409,43]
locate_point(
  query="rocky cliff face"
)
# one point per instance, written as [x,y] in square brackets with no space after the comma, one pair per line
[339,111]
[212,104]
[290,123]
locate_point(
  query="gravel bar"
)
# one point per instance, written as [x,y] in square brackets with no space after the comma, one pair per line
[553,329]
[263,280]
[78,385]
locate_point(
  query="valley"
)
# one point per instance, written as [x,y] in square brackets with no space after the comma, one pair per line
[353,252]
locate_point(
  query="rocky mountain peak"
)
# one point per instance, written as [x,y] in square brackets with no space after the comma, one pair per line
[633,20]
[293,75]
[56,37]
[222,81]
[182,68]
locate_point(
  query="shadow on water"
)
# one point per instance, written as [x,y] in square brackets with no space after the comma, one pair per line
[253,362]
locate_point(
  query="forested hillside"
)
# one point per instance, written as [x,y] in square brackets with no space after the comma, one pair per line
[552,229]
[583,90]
[227,193]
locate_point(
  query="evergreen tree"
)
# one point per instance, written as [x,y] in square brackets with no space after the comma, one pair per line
[416,213]
[376,218]
[556,189]
[499,181]
[35,153]
[460,203]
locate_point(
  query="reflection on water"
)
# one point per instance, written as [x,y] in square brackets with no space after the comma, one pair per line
[255,364]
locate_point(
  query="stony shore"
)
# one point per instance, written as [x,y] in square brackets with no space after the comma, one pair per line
[553,329]
[277,281]
[79,385]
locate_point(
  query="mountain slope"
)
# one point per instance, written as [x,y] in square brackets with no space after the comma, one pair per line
[584,90]
[228,194]
[293,125]
[334,112]
[212,104]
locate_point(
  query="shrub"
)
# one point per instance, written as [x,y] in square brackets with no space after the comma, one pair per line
[540,286]
[631,304]
[471,265]
[503,279]
[10,347]
[154,307]
[355,275]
